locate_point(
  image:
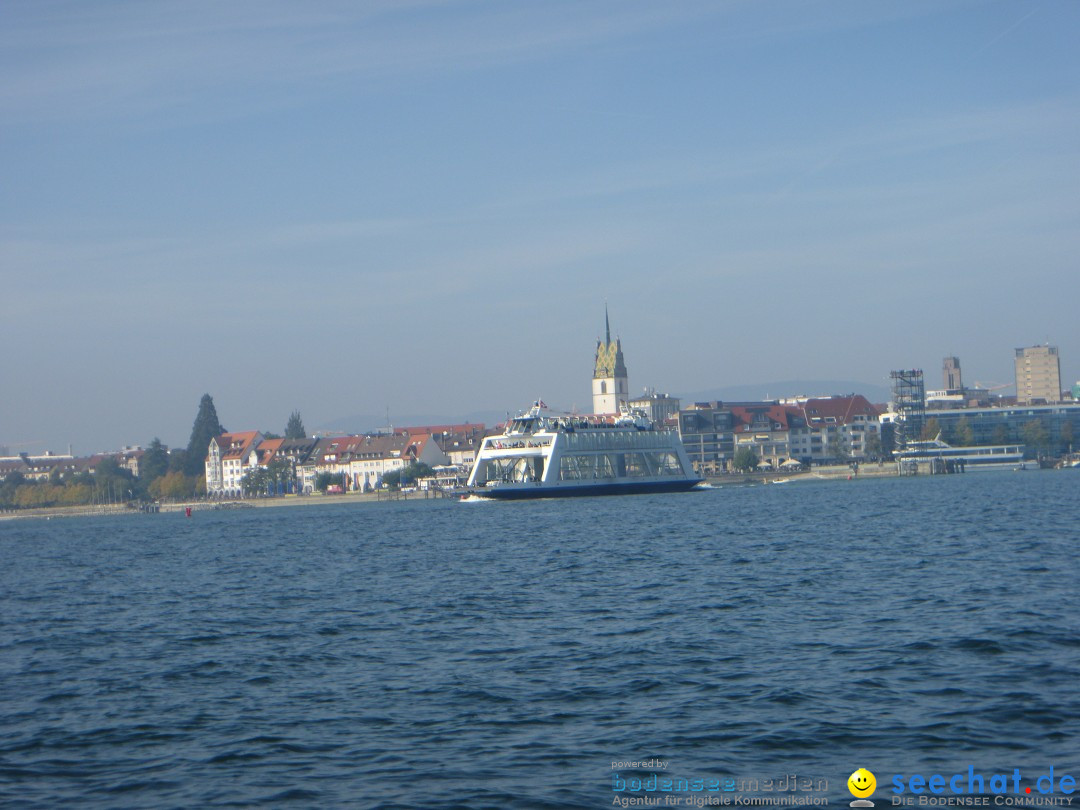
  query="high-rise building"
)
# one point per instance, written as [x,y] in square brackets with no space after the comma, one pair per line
[1038,375]
[609,386]
[951,374]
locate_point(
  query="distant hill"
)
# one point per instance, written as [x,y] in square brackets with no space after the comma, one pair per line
[788,388]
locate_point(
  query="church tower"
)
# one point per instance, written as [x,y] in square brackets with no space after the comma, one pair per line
[609,385]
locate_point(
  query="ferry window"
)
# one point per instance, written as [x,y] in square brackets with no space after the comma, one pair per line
[603,386]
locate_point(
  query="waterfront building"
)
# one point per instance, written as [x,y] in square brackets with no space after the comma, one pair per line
[375,456]
[342,456]
[295,451]
[323,458]
[707,433]
[363,461]
[267,451]
[610,387]
[64,465]
[835,429]
[810,430]
[460,443]
[10,465]
[228,458]
[31,468]
[1038,375]
[40,467]
[288,452]
[1044,429]
[765,428]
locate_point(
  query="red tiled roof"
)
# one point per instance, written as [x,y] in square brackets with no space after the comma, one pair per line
[234,445]
[840,409]
[267,449]
[349,448]
[777,415]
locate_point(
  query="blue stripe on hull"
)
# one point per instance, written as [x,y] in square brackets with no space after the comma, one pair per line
[538,491]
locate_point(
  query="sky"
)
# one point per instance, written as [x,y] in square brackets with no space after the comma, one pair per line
[423,207]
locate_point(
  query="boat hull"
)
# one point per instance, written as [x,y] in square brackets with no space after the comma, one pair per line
[540,490]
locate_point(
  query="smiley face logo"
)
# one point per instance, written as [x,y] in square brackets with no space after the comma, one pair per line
[861,783]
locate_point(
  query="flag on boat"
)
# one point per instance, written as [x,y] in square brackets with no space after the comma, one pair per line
[541,404]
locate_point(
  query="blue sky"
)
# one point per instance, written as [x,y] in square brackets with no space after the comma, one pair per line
[347,207]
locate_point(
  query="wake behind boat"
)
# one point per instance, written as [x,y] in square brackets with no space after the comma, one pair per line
[543,455]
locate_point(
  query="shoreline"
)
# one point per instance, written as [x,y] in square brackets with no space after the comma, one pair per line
[835,472]
[49,512]
[830,473]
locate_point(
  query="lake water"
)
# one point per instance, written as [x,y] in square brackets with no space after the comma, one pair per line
[505,655]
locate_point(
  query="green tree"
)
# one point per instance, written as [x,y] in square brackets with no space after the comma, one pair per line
[205,428]
[10,487]
[964,435]
[872,445]
[76,494]
[280,474]
[295,428]
[888,438]
[408,475]
[1001,434]
[745,459]
[326,479]
[254,481]
[37,494]
[1034,435]
[154,463]
[174,486]
[112,482]
[931,429]
[839,448]
[1067,436]
[269,479]
[178,459]
[15,479]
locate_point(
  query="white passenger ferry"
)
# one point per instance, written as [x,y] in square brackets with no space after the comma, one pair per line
[542,456]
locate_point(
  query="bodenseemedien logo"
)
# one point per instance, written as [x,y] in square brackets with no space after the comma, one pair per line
[861,784]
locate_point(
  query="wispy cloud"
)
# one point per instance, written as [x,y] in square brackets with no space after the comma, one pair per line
[71,61]
[67,61]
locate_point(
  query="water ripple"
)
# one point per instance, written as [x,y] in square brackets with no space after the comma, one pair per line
[424,654]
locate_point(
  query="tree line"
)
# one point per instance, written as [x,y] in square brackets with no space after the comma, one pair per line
[163,474]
